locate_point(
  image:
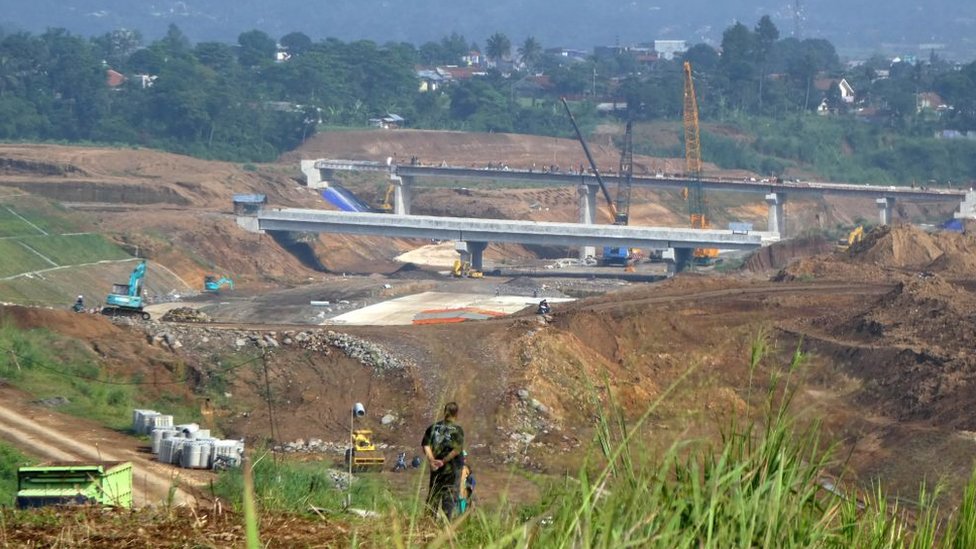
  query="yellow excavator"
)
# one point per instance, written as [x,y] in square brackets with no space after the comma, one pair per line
[463,269]
[852,238]
[387,205]
[364,455]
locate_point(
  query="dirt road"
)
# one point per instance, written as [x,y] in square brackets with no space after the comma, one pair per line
[48,435]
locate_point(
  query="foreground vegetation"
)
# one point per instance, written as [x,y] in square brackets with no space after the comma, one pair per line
[65,374]
[767,483]
[10,459]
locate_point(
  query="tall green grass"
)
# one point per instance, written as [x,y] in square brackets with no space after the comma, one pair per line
[10,460]
[766,483]
[296,487]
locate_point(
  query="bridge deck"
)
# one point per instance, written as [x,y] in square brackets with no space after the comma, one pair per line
[499,230]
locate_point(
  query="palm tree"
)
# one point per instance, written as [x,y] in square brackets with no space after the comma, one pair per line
[530,51]
[498,47]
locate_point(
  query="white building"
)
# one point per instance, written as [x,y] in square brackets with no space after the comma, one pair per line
[668,49]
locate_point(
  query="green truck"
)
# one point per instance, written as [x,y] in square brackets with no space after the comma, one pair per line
[75,483]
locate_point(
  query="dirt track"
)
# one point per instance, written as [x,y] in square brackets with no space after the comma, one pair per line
[52,436]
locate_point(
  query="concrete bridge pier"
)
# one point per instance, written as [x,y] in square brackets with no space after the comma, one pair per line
[402,194]
[473,252]
[587,215]
[314,178]
[777,217]
[885,205]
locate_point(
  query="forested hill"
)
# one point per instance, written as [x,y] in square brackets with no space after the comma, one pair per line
[896,26]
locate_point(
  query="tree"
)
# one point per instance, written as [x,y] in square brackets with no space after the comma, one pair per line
[702,57]
[530,51]
[738,62]
[766,36]
[498,47]
[175,42]
[257,48]
[296,43]
[116,46]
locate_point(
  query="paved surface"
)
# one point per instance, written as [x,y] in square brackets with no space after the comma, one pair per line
[403,310]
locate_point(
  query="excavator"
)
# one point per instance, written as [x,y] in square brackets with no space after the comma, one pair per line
[852,238]
[387,205]
[212,284]
[463,269]
[126,299]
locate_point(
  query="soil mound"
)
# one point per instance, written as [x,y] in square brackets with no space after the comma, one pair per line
[71,324]
[783,253]
[891,250]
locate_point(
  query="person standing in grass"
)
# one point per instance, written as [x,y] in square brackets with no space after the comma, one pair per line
[443,444]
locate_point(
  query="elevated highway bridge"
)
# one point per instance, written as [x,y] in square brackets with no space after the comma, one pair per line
[319,172]
[473,235]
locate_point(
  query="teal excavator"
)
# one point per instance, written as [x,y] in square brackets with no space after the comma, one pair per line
[126,299]
[212,284]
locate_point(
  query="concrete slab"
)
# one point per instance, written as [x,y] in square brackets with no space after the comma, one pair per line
[402,311]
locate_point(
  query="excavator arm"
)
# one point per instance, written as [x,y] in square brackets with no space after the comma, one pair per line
[135,279]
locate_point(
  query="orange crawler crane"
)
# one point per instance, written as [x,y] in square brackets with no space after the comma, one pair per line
[697,207]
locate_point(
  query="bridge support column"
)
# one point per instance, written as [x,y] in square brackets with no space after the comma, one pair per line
[587,215]
[473,252]
[777,217]
[885,206]
[313,176]
[402,195]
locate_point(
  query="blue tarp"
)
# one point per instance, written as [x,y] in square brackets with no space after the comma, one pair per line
[344,199]
[953,225]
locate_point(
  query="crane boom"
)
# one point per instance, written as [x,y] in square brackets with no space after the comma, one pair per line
[589,157]
[626,176]
[697,206]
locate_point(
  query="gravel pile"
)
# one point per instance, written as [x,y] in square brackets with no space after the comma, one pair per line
[207,339]
[186,314]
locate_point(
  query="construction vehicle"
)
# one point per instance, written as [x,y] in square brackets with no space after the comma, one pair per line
[106,483]
[387,205]
[213,284]
[619,207]
[695,194]
[364,455]
[126,299]
[853,237]
[463,269]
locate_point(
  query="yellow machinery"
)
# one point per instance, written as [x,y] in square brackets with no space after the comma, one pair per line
[387,205]
[463,269]
[365,456]
[695,194]
[852,238]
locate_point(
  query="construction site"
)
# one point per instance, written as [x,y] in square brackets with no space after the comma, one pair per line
[269,338]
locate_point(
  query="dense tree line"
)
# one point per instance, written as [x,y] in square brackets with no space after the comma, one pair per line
[237,102]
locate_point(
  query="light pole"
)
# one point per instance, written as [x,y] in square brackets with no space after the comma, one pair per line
[357,410]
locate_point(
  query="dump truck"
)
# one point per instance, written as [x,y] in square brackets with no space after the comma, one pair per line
[107,483]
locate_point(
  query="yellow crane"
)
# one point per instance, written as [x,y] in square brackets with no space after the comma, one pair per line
[695,194]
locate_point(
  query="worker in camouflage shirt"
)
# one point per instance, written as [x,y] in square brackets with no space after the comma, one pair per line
[443,444]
